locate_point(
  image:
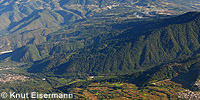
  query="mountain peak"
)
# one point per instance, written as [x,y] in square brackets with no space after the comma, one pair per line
[184,18]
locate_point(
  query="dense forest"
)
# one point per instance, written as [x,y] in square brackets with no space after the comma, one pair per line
[135,49]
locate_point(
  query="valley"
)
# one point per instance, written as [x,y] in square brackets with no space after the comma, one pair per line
[101,49]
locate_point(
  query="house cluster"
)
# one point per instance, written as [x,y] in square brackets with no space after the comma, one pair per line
[90,77]
[189,95]
[112,6]
[197,83]
[6,52]
[12,77]
[7,67]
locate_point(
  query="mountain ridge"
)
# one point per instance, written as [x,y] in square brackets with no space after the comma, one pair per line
[16,15]
[117,56]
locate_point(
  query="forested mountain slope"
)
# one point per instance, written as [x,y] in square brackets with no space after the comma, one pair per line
[65,40]
[133,50]
[184,71]
[170,81]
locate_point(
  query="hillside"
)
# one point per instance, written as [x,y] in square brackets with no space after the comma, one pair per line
[135,49]
[30,19]
[183,71]
[167,81]
[65,40]
[126,91]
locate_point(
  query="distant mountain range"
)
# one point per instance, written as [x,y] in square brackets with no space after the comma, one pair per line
[17,16]
[28,19]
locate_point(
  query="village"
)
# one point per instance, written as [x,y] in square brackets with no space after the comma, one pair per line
[7,67]
[189,95]
[12,77]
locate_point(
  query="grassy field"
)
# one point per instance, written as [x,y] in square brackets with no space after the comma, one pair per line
[163,91]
